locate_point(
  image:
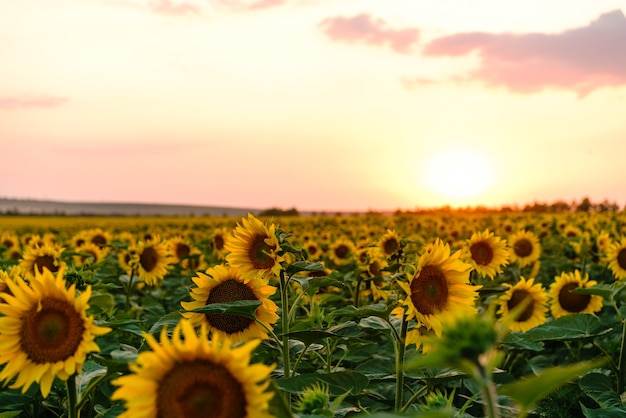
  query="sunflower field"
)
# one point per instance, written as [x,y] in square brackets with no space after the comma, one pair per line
[411,314]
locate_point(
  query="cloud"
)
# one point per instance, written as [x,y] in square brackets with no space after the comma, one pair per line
[581,59]
[14,103]
[366,29]
[250,4]
[173,8]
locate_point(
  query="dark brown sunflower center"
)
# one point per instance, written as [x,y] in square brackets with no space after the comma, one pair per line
[518,297]
[46,261]
[621,258]
[482,253]
[149,259]
[229,290]
[312,250]
[573,302]
[99,240]
[182,250]
[341,251]
[391,246]
[429,290]
[51,332]
[218,242]
[523,247]
[200,389]
[7,243]
[260,253]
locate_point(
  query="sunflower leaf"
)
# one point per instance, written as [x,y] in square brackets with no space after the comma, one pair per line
[239,307]
[299,266]
[599,387]
[338,383]
[569,327]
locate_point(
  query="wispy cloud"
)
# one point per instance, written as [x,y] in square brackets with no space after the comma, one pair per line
[581,59]
[26,102]
[364,28]
[174,8]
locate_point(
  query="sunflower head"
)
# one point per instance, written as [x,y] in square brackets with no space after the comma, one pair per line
[45,331]
[486,253]
[616,255]
[563,301]
[36,259]
[525,248]
[189,376]
[526,300]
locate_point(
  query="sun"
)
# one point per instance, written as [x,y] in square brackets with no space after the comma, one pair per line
[459,174]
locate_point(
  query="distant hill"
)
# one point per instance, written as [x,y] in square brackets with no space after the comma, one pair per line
[49,207]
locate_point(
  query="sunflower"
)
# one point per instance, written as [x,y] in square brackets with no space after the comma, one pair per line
[389,243]
[9,240]
[218,241]
[89,253]
[487,253]
[616,256]
[151,260]
[535,311]
[253,248]
[192,376]
[223,284]
[44,331]
[37,259]
[179,248]
[195,261]
[342,251]
[525,246]
[564,302]
[439,288]
[313,250]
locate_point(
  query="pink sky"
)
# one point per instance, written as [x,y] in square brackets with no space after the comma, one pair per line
[314,104]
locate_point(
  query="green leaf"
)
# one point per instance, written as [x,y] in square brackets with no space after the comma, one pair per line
[338,383]
[278,408]
[299,266]
[530,390]
[105,302]
[171,319]
[310,337]
[519,340]
[10,414]
[240,307]
[310,285]
[603,412]
[14,400]
[610,292]
[377,309]
[569,327]
[375,322]
[599,387]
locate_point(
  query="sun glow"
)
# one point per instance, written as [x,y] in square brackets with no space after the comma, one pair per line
[460,175]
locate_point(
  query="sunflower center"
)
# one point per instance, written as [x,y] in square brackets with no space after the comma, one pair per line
[518,297]
[229,290]
[218,242]
[341,251]
[99,240]
[429,291]
[149,259]
[390,246]
[202,389]
[182,250]
[260,253]
[523,247]
[46,261]
[51,332]
[482,253]
[621,258]
[572,302]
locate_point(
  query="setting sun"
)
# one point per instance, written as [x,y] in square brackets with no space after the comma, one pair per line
[459,174]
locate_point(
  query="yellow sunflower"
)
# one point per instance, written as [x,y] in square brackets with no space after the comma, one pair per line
[90,253]
[564,302]
[223,284]
[195,261]
[389,243]
[535,311]
[616,256]
[151,260]
[44,331]
[439,288]
[486,253]
[342,251]
[253,248]
[9,240]
[525,246]
[179,248]
[36,259]
[218,241]
[190,376]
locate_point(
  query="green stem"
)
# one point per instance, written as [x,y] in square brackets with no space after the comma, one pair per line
[399,354]
[357,291]
[72,410]
[413,397]
[487,393]
[284,299]
[621,376]
[130,288]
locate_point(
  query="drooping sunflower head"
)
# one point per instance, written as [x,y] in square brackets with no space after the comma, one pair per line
[439,288]
[530,300]
[37,259]
[254,249]
[565,302]
[222,284]
[150,260]
[486,253]
[525,248]
[616,255]
[190,376]
[44,331]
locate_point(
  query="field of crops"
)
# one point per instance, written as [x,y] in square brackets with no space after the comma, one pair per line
[421,315]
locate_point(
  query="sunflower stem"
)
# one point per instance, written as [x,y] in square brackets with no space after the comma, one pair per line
[130,288]
[284,299]
[621,376]
[357,291]
[487,392]
[72,404]
[399,353]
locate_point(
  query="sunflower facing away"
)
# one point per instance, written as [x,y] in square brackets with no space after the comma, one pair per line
[44,331]
[439,288]
[190,376]
[616,256]
[486,253]
[526,248]
[253,248]
[534,313]
[223,284]
[564,302]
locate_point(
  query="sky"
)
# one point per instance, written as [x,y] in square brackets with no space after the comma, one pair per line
[321,105]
